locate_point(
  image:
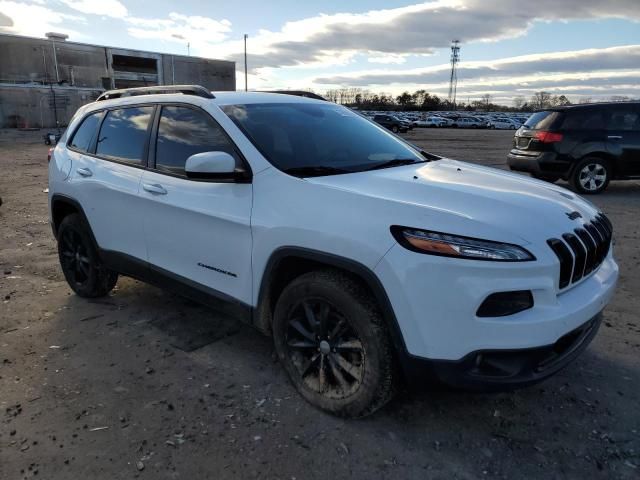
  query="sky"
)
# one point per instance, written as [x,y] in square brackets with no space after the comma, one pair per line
[579,48]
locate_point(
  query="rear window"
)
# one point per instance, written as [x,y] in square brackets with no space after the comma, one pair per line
[583,119]
[84,134]
[123,135]
[542,120]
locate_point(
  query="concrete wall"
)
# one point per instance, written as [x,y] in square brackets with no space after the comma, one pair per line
[33,107]
[28,66]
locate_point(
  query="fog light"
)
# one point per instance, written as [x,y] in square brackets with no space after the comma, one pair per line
[502,304]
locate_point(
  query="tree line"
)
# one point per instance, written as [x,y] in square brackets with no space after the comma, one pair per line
[422,100]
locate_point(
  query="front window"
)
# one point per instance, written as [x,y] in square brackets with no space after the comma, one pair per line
[309,139]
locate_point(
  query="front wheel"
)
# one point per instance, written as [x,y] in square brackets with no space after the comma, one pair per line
[394,129]
[81,265]
[333,342]
[591,175]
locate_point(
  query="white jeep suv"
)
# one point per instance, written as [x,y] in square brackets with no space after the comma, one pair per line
[368,261]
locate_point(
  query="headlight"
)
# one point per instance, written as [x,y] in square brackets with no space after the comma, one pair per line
[443,244]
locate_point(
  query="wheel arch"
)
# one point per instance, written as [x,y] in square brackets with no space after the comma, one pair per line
[287,263]
[601,154]
[61,207]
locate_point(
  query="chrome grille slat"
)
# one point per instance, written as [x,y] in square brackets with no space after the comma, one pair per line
[582,251]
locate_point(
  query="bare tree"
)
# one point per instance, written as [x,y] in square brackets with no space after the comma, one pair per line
[519,102]
[541,100]
[485,101]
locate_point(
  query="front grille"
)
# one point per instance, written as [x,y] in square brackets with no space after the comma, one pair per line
[582,251]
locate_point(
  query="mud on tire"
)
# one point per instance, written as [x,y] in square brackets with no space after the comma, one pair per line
[331,338]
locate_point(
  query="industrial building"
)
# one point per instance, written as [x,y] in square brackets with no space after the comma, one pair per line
[43,81]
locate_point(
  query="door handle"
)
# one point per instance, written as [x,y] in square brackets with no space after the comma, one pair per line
[84,172]
[614,137]
[154,188]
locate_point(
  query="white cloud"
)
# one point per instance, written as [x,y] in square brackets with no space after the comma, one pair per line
[109,8]
[413,29]
[34,20]
[388,59]
[197,30]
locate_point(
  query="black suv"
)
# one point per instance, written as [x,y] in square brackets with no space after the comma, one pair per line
[588,145]
[392,123]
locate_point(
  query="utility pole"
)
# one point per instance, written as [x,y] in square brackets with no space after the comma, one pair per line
[453,82]
[245,62]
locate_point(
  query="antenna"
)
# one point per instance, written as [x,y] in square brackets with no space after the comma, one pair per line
[453,82]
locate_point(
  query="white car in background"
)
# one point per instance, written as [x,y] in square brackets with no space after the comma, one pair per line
[432,122]
[504,124]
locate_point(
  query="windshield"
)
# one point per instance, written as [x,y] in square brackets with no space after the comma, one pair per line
[312,139]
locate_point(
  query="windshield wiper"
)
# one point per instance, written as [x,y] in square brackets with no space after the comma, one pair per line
[315,171]
[395,163]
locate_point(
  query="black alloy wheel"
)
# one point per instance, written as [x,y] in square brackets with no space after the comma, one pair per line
[325,348]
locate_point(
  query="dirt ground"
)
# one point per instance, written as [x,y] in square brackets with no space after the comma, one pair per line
[146,384]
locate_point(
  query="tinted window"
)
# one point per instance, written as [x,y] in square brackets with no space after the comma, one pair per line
[123,135]
[542,120]
[319,136]
[583,119]
[184,132]
[624,118]
[84,134]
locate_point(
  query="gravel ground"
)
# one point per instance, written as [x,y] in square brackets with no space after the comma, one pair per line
[115,388]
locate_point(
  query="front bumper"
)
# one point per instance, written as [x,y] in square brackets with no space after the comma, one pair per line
[435,300]
[508,369]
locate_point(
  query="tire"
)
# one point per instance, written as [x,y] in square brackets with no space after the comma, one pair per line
[81,265]
[546,178]
[395,129]
[351,377]
[591,175]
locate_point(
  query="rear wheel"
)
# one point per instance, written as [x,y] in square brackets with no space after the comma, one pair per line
[82,268]
[591,175]
[394,128]
[333,343]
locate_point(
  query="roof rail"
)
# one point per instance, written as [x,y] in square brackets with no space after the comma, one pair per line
[297,93]
[196,90]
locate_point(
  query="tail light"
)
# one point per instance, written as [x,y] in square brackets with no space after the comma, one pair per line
[548,137]
[49,154]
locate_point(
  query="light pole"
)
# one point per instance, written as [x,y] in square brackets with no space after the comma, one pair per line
[245,62]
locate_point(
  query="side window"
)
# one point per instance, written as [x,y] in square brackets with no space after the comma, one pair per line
[624,118]
[123,135]
[183,132]
[580,119]
[84,134]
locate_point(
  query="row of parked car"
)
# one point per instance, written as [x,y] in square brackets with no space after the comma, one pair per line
[403,121]
[586,145]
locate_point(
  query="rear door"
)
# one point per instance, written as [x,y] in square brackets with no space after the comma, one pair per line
[623,138]
[196,231]
[107,176]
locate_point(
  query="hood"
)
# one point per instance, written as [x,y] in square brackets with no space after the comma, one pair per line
[464,196]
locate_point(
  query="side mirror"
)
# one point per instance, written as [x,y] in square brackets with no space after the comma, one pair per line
[212,166]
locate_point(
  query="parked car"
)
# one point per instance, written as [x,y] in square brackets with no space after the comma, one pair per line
[432,122]
[468,122]
[392,122]
[504,124]
[588,145]
[369,262]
